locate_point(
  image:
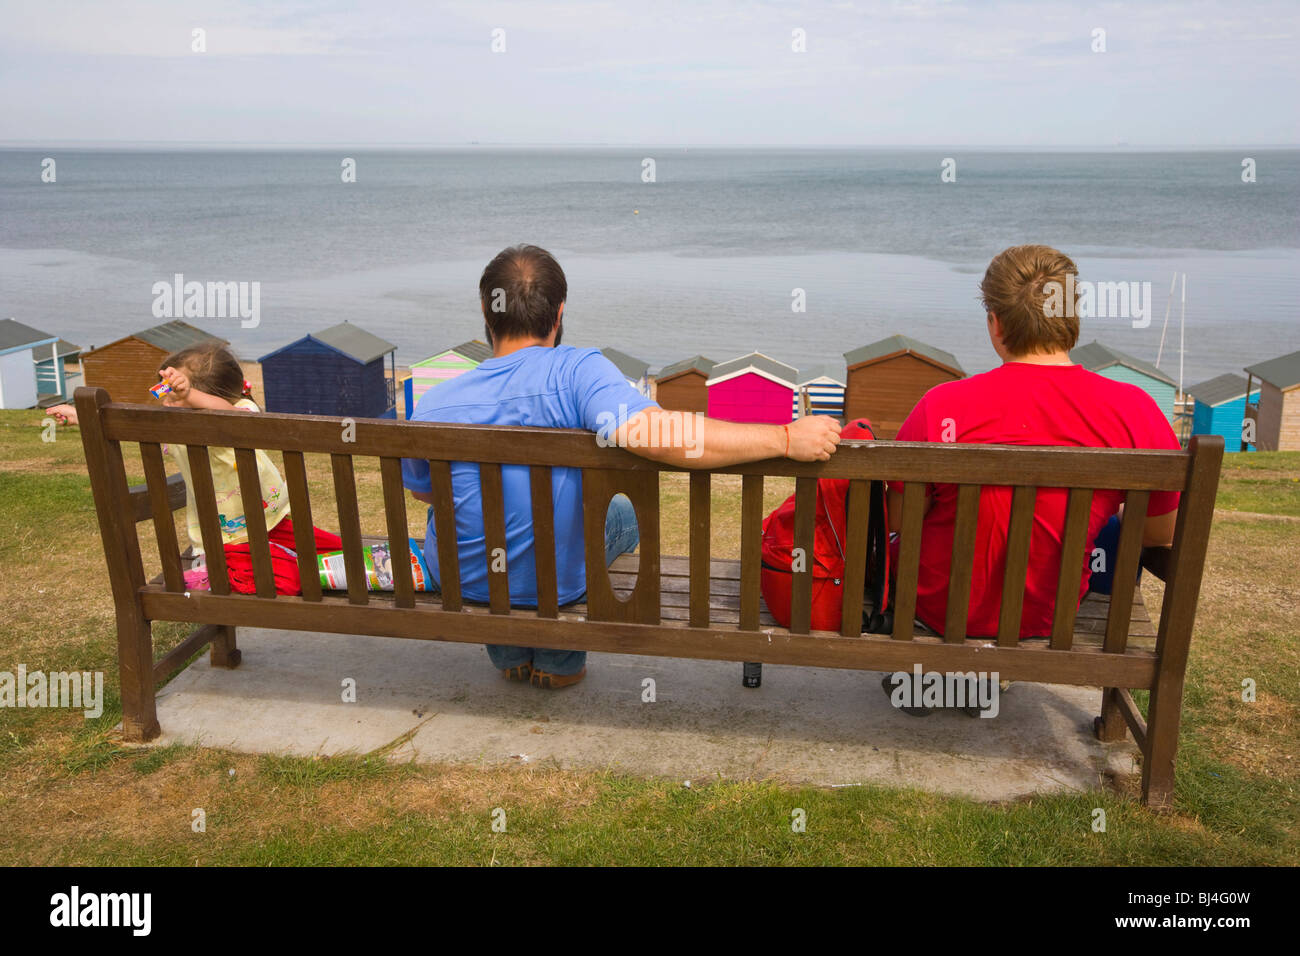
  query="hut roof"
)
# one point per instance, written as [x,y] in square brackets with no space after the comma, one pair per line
[474,350]
[1094,357]
[1220,389]
[354,342]
[697,363]
[62,348]
[14,336]
[758,364]
[632,368]
[902,343]
[173,336]
[1282,372]
[813,373]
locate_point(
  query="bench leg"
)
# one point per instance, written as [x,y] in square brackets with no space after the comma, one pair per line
[1163,715]
[224,652]
[1110,726]
[135,668]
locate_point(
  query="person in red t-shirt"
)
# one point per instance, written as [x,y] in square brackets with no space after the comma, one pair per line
[1036,397]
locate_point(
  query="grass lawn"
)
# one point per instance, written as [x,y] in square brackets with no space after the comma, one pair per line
[1238,784]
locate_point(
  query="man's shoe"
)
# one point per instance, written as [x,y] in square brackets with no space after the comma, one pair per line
[549,681]
[521,672]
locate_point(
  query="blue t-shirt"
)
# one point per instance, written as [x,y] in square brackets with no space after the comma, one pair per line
[560,387]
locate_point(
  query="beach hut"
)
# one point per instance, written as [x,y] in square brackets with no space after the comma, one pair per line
[682,386]
[343,370]
[634,370]
[1219,408]
[752,388]
[17,370]
[885,380]
[442,366]
[1277,413]
[128,367]
[820,392]
[54,382]
[1122,367]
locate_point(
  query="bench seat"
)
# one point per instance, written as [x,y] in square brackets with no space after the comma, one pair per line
[724,601]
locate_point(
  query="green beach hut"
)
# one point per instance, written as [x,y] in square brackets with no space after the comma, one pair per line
[1122,367]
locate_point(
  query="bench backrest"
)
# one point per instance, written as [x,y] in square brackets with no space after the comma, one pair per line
[608,471]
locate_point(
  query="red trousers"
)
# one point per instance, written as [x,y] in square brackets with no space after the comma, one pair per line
[284,559]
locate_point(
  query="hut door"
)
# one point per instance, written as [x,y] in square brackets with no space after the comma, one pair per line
[349,391]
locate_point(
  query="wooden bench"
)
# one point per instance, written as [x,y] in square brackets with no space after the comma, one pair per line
[693,606]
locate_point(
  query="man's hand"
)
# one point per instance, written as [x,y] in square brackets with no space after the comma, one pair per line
[813,438]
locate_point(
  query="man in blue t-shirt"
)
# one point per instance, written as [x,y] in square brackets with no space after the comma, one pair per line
[532,380]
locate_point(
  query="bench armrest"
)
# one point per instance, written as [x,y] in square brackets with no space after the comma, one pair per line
[1157,561]
[140,505]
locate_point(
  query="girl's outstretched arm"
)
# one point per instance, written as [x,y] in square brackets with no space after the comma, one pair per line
[185,394]
[63,414]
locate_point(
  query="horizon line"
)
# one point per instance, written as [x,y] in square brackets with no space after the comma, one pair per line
[470,144]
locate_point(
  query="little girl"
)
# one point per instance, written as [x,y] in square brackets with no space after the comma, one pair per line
[208,376]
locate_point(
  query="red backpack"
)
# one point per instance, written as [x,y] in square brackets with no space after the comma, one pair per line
[827,561]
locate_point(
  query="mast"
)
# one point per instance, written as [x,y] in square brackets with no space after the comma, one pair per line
[1169,304]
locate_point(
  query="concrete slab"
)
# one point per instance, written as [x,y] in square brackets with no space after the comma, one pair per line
[816,726]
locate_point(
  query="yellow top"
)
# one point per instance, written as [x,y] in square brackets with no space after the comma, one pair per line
[225,481]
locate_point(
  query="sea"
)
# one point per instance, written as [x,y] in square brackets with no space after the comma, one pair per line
[670,252]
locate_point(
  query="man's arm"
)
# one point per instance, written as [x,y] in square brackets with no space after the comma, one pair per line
[1158,530]
[696,441]
[425,496]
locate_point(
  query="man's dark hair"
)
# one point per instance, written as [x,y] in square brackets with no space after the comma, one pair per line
[521,291]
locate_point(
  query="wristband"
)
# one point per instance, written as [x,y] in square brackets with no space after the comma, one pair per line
[787,441]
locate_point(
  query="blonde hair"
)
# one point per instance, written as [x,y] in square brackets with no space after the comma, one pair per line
[1017,288]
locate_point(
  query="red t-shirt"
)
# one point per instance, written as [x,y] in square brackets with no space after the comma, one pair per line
[1021,404]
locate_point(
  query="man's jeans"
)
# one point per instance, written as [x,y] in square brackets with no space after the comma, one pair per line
[621,536]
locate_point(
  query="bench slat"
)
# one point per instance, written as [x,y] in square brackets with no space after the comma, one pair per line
[444,526]
[598,487]
[164,525]
[1019,531]
[951,463]
[494,537]
[539,477]
[858,513]
[390,470]
[345,496]
[1074,539]
[205,500]
[671,638]
[963,559]
[909,559]
[805,518]
[700,543]
[751,550]
[304,537]
[1127,560]
[259,544]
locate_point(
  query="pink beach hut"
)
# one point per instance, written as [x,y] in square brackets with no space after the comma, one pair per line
[752,388]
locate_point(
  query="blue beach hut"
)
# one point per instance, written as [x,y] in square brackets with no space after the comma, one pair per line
[1220,408]
[343,370]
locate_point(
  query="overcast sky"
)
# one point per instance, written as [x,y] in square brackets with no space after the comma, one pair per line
[706,72]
